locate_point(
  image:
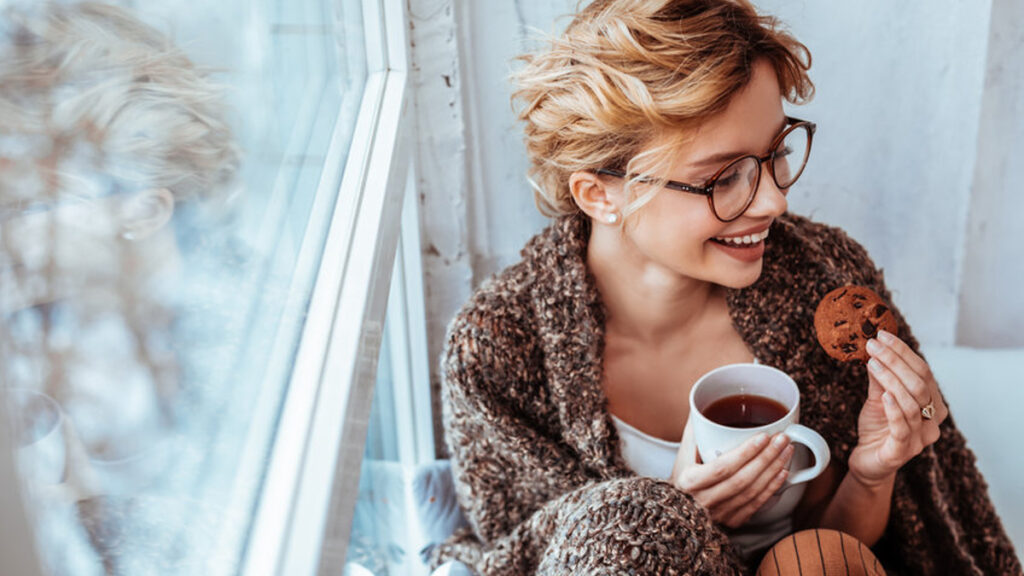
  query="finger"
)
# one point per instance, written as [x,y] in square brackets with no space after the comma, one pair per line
[739,483]
[913,360]
[899,428]
[756,489]
[895,388]
[919,388]
[725,466]
[931,435]
[740,517]
[920,367]
[686,457]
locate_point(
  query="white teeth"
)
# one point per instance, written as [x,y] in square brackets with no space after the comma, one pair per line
[749,239]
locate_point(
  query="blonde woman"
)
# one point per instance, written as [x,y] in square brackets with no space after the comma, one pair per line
[659,146]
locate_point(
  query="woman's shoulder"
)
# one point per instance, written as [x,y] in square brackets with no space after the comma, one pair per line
[497,313]
[489,353]
[502,304]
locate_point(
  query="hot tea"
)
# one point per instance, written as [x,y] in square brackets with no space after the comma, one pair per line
[744,411]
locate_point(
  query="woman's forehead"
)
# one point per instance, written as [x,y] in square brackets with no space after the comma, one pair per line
[748,124]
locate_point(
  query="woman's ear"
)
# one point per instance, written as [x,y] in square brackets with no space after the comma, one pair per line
[145,212]
[594,196]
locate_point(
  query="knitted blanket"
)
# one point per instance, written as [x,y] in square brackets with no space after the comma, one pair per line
[536,458]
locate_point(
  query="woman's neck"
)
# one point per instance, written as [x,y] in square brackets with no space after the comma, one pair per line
[645,302]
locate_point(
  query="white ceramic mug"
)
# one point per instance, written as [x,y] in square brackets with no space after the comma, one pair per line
[715,439]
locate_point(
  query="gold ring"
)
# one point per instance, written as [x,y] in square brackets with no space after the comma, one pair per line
[928,410]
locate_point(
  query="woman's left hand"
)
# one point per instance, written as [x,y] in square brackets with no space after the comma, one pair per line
[892,426]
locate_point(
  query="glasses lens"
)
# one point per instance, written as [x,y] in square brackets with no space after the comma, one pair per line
[791,156]
[734,187]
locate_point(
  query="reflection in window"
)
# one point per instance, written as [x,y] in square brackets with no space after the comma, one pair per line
[161,224]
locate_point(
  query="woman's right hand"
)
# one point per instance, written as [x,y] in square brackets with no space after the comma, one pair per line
[738,483]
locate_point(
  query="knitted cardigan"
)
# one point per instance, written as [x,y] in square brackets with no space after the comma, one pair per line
[536,459]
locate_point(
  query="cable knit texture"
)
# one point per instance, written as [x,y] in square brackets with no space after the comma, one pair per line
[536,458]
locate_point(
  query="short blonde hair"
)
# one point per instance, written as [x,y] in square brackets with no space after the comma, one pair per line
[626,71]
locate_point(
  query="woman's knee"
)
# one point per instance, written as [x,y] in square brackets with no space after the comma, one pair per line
[640,525]
[820,552]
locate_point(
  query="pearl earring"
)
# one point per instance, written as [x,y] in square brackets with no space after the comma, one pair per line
[613,218]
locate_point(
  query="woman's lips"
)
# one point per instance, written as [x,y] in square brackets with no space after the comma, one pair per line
[745,253]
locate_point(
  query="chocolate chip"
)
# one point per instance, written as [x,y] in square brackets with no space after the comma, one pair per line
[853,337]
[858,305]
[868,328]
[880,309]
[840,295]
[859,297]
[849,348]
[839,323]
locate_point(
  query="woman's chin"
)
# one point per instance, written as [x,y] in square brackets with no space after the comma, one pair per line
[740,279]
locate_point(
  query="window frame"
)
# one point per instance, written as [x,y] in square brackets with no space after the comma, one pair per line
[315,460]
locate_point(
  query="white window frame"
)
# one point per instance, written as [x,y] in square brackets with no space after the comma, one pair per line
[314,463]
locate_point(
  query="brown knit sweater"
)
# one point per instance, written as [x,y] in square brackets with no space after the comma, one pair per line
[536,458]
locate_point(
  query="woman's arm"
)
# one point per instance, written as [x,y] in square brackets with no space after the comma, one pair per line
[860,510]
[837,500]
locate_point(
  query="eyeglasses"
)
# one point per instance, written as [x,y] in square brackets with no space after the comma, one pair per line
[731,190]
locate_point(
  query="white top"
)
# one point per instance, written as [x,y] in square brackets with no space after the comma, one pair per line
[654,458]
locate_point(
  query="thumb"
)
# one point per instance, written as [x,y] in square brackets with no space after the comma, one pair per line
[686,456]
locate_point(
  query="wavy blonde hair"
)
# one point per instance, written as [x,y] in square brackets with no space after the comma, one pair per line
[627,71]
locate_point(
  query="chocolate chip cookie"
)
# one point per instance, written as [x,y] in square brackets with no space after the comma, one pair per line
[847,318]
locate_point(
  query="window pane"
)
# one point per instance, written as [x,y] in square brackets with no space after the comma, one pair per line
[384,539]
[164,199]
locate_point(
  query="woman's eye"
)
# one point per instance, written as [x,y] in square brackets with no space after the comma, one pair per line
[728,179]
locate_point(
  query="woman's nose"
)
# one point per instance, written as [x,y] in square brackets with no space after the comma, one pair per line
[769,200]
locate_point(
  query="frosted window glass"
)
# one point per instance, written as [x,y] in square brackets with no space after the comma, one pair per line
[164,200]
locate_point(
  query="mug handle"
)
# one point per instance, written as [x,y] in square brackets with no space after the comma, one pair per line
[817,445]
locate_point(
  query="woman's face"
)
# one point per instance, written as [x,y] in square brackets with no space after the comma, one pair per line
[676,229]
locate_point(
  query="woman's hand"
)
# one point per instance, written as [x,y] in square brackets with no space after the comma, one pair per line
[892,429]
[738,483]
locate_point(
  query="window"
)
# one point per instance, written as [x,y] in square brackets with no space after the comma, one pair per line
[386,536]
[190,338]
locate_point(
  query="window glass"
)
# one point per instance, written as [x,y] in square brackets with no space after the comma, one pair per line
[167,174]
[400,510]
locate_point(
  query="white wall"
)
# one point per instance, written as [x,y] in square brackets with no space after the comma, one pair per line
[897,106]
[991,307]
[919,110]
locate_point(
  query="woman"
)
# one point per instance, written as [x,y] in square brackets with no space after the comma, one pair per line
[658,142]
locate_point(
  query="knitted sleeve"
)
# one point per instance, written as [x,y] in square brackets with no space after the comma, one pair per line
[531,506]
[942,519]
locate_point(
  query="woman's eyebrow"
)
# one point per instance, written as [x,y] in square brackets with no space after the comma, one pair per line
[723,157]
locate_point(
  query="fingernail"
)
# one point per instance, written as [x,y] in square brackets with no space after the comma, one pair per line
[781,440]
[887,398]
[873,346]
[761,439]
[874,365]
[885,337]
